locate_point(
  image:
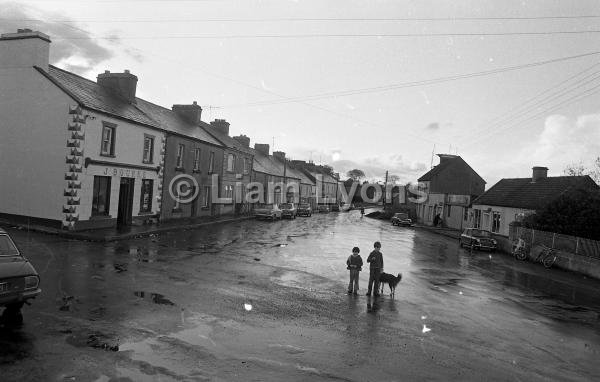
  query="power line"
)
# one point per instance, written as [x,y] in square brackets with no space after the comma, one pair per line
[527,106]
[346,116]
[568,101]
[341,35]
[311,19]
[544,101]
[413,83]
[526,103]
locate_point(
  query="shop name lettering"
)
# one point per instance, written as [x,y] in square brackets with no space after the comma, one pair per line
[127,173]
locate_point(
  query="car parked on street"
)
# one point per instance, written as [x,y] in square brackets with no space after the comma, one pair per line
[304,209]
[335,207]
[478,239]
[19,281]
[288,210]
[402,219]
[267,211]
[323,208]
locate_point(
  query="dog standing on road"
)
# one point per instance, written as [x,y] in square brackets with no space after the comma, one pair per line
[390,280]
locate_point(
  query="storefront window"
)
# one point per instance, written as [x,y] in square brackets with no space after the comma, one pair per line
[146,197]
[101,196]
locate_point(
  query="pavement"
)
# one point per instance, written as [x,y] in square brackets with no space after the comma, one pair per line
[266,301]
[128,232]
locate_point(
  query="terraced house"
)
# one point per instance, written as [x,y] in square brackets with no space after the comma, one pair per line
[237,168]
[274,173]
[190,153]
[74,153]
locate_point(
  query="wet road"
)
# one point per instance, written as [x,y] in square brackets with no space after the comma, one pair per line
[259,300]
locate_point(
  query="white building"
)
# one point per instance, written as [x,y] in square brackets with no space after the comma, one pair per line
[510,200]
[74,153]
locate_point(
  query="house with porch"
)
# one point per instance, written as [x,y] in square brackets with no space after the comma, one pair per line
[511,199]
[450,187]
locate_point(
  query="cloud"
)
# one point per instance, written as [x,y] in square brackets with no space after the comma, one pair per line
[564,141]
[433,126]
[73,48]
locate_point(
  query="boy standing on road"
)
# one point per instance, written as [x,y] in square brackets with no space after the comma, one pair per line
[354,264]
[376,260]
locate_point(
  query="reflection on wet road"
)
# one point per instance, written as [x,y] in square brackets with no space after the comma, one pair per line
[269,298]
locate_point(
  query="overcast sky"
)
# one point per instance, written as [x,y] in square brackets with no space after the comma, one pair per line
[356,83]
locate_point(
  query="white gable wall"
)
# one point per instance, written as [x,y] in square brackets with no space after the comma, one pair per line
[33,126]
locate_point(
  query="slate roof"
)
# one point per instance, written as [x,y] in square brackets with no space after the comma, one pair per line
[271,166]
[449,161]
[522,193]
[326,178]
[226,139]
[302,176]
[95,97]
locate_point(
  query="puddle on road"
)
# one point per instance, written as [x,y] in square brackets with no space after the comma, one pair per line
[94,340]
[156,298]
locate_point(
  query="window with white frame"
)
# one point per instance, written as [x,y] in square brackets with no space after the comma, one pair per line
[229,192]
[496,218]
[211,162]
[197,159]
[231,163]
[148,154]
[107,146]
[246,168]
[206,197]
[476,218]
[180,153]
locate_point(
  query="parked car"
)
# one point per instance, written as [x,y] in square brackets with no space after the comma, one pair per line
[19,281]
[267,211]
[478,239]
[323,208]
[288,210]
[304,209]
[335,207]
[402,219]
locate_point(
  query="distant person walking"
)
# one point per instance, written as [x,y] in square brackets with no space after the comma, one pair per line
[362,211]
[436,220]
[376,260]
[354,265]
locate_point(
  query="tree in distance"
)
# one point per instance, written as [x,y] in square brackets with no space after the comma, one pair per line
[355,174]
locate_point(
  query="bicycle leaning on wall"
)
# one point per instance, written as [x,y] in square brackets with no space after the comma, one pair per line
[547,256]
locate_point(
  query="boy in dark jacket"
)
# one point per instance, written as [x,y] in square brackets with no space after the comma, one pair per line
[354,264]
[376,260]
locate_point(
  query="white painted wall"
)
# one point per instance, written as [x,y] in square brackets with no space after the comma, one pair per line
[33,137]
[129,145]
[507,215]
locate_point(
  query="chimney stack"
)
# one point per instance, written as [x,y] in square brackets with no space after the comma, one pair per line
[191,113]
[221,125]
[24,49]
[539,173]
[262,148]
[243,140]
[123,84]
[279,155]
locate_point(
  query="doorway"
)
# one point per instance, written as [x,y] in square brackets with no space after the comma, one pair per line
[125,210]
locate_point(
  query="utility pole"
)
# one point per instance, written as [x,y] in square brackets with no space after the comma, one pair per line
[385,189]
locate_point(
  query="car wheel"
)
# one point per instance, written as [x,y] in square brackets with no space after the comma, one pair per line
[12,315]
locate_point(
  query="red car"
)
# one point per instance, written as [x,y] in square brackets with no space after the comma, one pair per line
[19,281]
